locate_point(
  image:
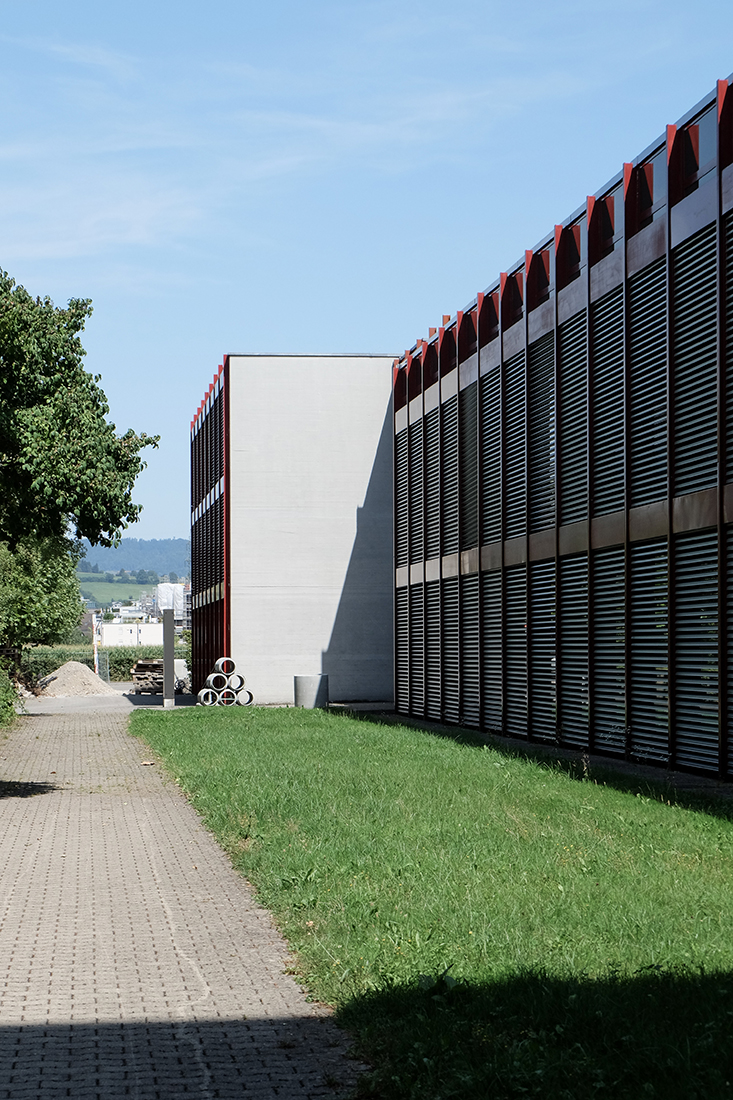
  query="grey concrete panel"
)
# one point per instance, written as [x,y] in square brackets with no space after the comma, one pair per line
[311,523]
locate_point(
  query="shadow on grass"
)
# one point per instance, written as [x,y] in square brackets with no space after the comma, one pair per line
[601,770]
[656,1034]
[12,789]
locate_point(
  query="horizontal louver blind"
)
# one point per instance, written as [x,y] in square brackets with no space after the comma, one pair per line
[515,649]
[607,437]
[432,480]
[542,626]
[727,764]
[416,483]
[449,472]
[432,651]
[451,647]
[402,651]
[648,362]
[542,433]
[696,649]
[491,684]
[491,457]
[728,322]
[695,362]
[609,649]
[573,649]
[515,441]
[417,651]
[573,370]
[469,466]
[470,670]
[402,496]
[649,702]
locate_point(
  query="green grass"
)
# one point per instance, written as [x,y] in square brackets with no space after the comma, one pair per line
[105,593]
[582,930]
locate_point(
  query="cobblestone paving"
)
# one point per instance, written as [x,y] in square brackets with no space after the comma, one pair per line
[133,960]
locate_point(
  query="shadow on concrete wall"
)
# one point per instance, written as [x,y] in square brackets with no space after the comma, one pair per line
[359,658]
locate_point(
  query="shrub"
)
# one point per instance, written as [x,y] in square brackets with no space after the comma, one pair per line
[8,698]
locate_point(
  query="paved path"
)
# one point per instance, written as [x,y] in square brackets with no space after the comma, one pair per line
[133,960]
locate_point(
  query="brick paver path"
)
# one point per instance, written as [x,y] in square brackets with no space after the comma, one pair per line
[133,960]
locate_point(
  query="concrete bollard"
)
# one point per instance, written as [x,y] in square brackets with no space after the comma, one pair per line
[311,692]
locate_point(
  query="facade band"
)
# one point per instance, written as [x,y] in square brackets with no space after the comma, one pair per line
[209,527]
[563,472]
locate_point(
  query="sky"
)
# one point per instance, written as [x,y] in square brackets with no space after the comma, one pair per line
[308,177]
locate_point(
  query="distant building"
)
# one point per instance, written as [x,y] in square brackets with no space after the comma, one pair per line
[291,543]
[117,634]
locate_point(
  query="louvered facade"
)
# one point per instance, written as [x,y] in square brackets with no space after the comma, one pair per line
[564,476]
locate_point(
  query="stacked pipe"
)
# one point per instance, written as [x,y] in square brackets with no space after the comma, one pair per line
[224,687]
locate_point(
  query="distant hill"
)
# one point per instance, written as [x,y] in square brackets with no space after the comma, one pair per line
[161,555]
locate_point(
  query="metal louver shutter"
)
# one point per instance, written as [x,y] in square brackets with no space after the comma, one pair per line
[573,690]
[515,439]
[727,764]
[728,236]
[432,479]
[542,649]
[433,675]
[607,437]
[648,697]
[417,651]
[609,650]
[542,433]
[648,362]
[402,652]
[469,466]
[449,474]
[492,647]
[402,495]
[491,457]
[695,572]
[451,646]
[573,417]
[695,362]
[470,671]
[416,483]
[515,649]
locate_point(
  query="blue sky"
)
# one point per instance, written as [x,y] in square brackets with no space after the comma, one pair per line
[308,177]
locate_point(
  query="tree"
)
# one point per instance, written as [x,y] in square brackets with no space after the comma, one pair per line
[39,592]
[173,578]
[141,576]
[109,578]
[62,466]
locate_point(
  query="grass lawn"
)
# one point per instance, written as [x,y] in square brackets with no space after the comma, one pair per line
[486,925]
[105,593]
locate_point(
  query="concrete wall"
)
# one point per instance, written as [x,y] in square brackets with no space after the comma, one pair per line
[311,523]
[114,634]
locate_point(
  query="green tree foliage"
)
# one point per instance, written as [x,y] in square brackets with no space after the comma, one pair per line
[39,592]
[62,465]
[173,578]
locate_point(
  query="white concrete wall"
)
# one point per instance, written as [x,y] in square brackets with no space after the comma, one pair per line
[114,634]
[311,523]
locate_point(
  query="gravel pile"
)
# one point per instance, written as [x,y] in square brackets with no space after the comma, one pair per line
[73,678]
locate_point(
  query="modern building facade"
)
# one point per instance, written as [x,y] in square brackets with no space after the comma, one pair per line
[563,452]
[291,546]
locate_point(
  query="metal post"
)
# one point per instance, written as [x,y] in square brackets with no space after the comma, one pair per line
[169,683]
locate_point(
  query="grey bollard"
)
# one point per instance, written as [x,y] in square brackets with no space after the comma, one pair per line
[311,691]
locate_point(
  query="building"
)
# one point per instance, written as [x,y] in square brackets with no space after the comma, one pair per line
[564,475]
[291,541]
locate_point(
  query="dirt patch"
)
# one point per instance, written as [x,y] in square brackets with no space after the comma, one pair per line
[71,679]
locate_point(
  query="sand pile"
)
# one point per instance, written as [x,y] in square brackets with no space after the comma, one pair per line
[73,678]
